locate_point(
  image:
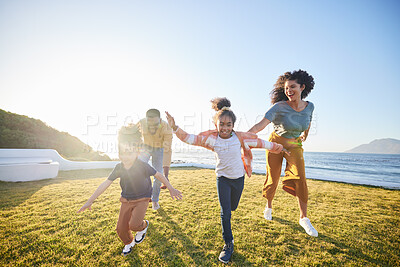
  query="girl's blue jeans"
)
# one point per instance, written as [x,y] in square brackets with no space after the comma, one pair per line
[229,193]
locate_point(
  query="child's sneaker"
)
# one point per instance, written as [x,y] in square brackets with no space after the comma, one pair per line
[268,214]
[226,253]
[128,248]
[305,222]
[155,205]
[142,234]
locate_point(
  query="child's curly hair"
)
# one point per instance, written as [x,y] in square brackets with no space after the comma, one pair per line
[130,135]
[301,77]
[222,106]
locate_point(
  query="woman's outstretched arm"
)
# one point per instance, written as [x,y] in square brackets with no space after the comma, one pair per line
[259,126]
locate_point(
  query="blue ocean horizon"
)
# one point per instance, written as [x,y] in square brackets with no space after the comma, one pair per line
[381,170]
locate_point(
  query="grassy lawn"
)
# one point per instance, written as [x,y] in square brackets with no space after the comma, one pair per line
[39,226]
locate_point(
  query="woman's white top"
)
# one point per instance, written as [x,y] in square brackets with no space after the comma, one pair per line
[229,157]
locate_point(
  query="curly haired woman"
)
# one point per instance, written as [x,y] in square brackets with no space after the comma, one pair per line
[291,118]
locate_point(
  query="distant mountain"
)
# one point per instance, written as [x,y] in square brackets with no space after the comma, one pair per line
[18,131]
[379,146]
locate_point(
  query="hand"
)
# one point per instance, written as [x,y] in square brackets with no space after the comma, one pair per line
[85,206]
[276,148]
[171,121]
[175,194]
[286,151]
[303,137]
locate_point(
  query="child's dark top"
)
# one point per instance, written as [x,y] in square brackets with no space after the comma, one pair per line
[135,182]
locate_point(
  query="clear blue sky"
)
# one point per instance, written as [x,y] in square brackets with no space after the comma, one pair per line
[74,64]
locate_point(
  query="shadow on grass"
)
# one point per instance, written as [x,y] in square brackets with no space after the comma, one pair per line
[169,249]
[133,258]
[352,253]
[240,260]
[12,194]
[283,221]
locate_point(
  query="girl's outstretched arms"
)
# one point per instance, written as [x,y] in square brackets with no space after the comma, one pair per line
[98,192]
[175,194]
[191,139]
[255,142]
[171,121]
[277,148]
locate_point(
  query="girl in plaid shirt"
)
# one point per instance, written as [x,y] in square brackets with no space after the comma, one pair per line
[234,157]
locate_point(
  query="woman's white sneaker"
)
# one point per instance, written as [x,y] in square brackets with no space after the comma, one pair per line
[306,224]
[268,214]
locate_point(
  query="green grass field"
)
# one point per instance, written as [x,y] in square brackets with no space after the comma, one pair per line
[39,226]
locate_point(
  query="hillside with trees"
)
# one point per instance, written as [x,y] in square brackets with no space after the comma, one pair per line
[18,131]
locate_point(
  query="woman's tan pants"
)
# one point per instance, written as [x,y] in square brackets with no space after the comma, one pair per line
[294,181]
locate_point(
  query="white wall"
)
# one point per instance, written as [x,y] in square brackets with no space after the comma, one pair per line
[35,164]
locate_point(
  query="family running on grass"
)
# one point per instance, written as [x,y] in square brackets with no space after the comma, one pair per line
[290,116]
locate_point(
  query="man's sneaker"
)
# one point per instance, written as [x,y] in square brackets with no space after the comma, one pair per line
[305,222]
[155,205]
[139,237]
[268,214]
[128,248]
[226,253]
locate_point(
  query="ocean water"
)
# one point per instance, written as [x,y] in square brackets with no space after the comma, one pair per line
[367,169]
